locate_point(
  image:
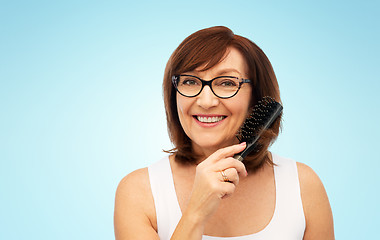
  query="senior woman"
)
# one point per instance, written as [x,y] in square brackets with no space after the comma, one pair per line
[199,191]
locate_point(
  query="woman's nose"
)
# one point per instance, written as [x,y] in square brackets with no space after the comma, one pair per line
[207,99]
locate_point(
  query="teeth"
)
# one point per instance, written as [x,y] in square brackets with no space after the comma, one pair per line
[209,119]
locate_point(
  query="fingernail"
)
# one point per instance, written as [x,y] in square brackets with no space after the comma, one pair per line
[242,144]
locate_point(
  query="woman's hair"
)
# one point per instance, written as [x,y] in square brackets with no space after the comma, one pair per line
[208,47]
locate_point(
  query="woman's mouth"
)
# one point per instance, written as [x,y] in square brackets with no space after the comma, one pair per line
[209,120]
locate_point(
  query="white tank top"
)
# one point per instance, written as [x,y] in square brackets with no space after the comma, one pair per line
[287,223]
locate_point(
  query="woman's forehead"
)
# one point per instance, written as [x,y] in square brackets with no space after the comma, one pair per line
[232,63]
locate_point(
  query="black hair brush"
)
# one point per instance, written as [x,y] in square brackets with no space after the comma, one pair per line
[264,113]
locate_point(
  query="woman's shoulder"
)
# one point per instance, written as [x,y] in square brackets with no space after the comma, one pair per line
[135,187]
[310,183]
[135,180]
[134,197]
[315,203]
[307,175]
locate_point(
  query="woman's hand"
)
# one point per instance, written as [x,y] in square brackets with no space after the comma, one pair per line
[209,187]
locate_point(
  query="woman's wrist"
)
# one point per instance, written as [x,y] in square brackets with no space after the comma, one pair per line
[194,219]
[190,227]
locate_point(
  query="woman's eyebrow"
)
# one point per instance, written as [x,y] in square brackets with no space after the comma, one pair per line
[218,73]
[228,70]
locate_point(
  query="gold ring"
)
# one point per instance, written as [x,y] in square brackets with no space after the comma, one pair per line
[225,178]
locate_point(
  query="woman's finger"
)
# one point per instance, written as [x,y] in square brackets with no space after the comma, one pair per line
[228,151]
[229,175]
[230,162]
[228,189]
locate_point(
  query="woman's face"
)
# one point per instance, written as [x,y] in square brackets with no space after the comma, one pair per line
[226,115]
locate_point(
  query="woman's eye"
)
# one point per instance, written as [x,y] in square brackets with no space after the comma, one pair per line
[227,83]
[189,82]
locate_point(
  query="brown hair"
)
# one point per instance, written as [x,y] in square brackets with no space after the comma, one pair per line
[207,47]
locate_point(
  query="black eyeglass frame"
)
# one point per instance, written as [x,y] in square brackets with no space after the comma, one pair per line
[175,79]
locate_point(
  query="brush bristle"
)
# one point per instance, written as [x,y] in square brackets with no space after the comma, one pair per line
[260,115]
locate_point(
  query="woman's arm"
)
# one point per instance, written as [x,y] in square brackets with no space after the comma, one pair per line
[318,214]
[134,216]
[208,191]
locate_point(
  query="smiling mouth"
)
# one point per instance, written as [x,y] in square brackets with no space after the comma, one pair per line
[209,119]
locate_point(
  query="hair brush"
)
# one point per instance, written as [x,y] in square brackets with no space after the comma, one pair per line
[263,114]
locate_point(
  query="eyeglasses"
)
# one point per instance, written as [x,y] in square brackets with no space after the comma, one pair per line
[222,86]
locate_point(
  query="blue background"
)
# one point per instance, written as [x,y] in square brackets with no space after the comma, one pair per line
[81,102]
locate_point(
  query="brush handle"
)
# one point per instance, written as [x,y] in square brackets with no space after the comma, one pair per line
[251,144]
[248,149]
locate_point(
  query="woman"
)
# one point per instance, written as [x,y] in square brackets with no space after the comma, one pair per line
[200,191]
